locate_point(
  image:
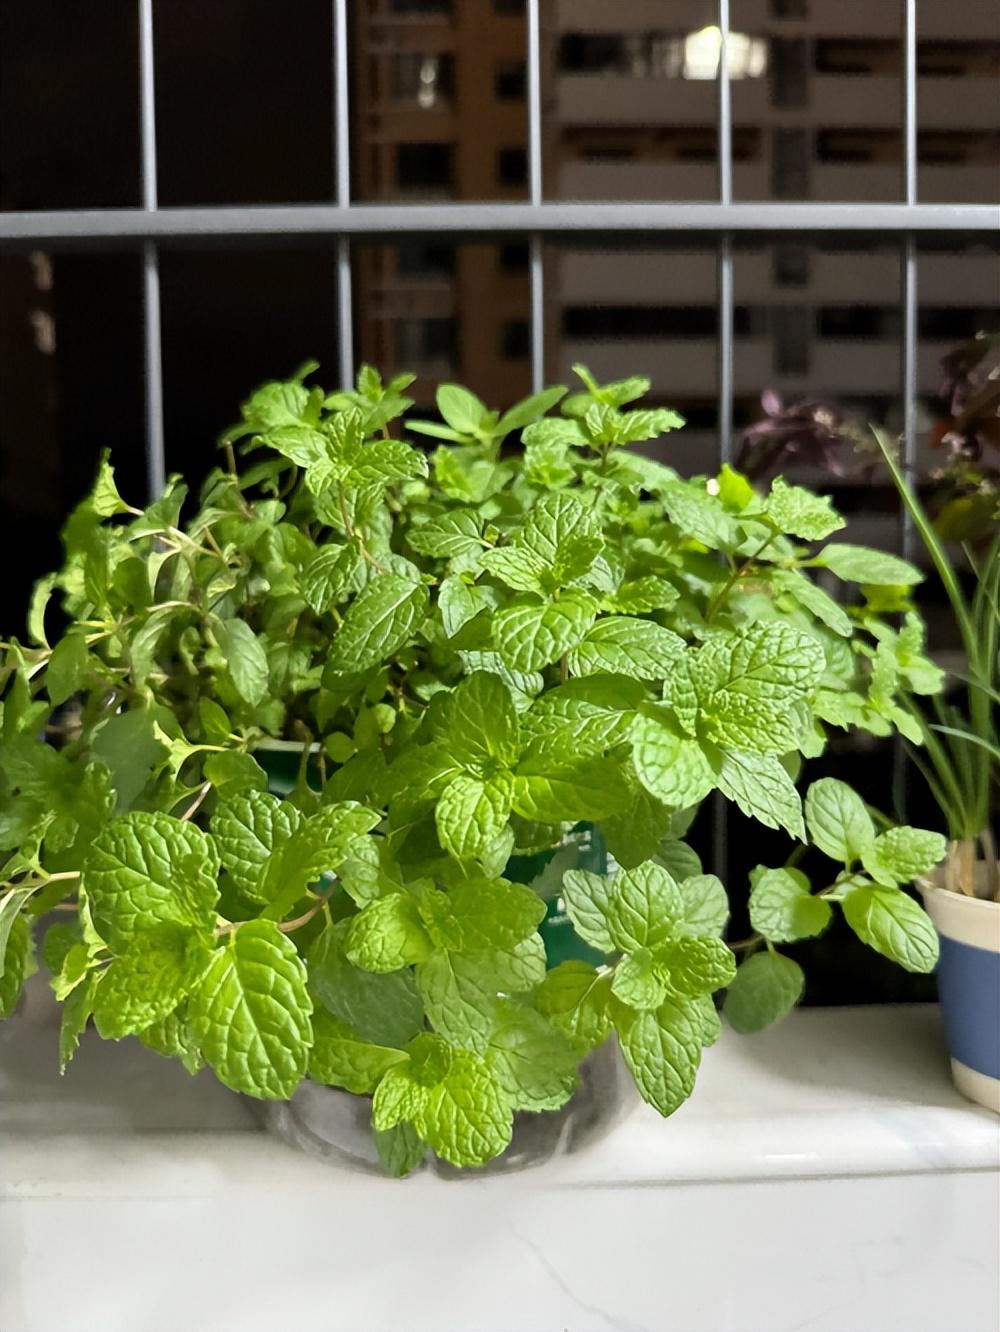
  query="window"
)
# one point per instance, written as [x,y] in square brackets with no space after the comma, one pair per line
[423,342]
[423,166]
[512,166]
[790,179]
[509,81]
[424,79]
[516,340]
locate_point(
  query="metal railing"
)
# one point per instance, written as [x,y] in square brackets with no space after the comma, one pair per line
[149,226]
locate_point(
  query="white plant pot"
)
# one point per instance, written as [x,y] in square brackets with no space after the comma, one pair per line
[968,976]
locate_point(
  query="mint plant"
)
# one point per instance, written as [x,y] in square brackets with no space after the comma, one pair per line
[483,652]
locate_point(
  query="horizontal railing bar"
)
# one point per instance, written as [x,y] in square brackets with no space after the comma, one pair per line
[124,225]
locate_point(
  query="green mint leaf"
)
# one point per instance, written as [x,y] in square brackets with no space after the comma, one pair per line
[17,963]
[903,854]
[492,913]
[462,410]
[518,567]
[695,967]
[574,997]
[800,513]
[766,987]
[482,722]
[11,906]
[621,645]
[250,1016]
[700,515]
[397,1098]
[320,845]
[247,828]
[400,1149]
[805,593]
[705,906]
[382,619]
[518,968]
[159,969]
[782,908]
[466,1118]
[585,716]
[671,766]
[534,1063]
[837,820]
[662,1049]
[892,923]
[548,789]
[529,634]
[387,935]
[678,859]
[246,660]
[471,813]
[638,596]
[67,668]
[450,534]
[171,1037]
[858,564]
[338,1057]
[384,1009]
[76,1011]
[748,685]
[558,529]
[230,773]
[763,790]
[587,897]
[529,409]
[148,868]
[638,982]
[129,747]
[330,576]
[644,908]
[635,834]
[459,993]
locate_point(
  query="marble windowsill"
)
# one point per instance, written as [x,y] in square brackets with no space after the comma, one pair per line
[825,1176]
[828,1093]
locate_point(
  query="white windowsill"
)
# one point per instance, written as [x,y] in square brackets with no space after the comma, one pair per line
[837,1134]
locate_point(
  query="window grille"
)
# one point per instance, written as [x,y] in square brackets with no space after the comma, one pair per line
[521,226]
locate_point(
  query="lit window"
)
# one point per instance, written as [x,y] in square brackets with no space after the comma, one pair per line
[746,56]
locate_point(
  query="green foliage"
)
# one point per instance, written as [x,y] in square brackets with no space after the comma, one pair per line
[467,652]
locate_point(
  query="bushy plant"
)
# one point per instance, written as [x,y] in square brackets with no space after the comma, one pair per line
[484,653]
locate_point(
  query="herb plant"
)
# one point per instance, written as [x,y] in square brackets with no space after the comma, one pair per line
[483,653]
[961,740]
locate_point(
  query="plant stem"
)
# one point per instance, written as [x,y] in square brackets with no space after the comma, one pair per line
[196,804]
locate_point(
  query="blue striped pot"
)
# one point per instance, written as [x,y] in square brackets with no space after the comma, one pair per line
[968,977]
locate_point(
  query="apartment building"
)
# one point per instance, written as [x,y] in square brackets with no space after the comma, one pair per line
[629,112]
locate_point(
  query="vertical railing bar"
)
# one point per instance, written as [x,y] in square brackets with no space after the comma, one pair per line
[908,368]
[342,181]
[908,363]
[910,99]
[536,255]
[725,128]
[152,334]
[724,387]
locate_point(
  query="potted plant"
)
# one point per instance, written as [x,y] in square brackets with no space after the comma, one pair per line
[960,760]
[512,678]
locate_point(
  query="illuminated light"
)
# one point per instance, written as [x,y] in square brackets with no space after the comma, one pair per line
[746,56]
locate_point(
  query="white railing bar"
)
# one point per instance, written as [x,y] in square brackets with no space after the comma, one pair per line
[342,169]
[121,225]
[152,337]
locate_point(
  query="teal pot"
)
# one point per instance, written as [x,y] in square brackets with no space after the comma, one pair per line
[968,977]
[335,1125]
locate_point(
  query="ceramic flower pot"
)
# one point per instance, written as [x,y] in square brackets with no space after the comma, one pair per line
[968,976]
